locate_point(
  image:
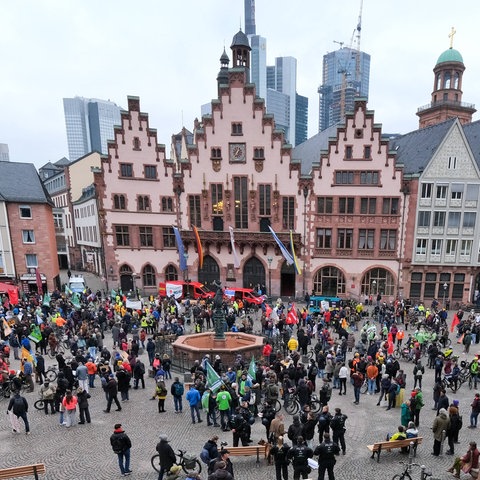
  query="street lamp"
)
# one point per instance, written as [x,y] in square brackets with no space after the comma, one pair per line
[445,286]
[269,260]
[305,195]
[374,287]
[185,273]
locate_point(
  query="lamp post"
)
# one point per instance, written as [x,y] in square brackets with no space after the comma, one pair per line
[445,286]
[269,260]
[305,195]
[374,287]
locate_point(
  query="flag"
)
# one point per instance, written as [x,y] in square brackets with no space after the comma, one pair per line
[7,330]
[268,310]
[236,261]
[285,252]
[292,316]
[46,299]
[214,382]
[455,322]
[298,270]
[252,371]
[181,250]
[199,247]
[67,290]
[76,301]
[38,279]
[35,334]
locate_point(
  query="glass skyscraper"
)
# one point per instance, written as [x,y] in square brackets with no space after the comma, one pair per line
[89,123]
[341,71]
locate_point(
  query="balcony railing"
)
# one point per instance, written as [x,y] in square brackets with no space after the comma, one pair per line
[449,103]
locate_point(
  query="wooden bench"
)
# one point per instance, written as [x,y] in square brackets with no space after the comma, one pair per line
[376,448]
[15,472]
[248,451]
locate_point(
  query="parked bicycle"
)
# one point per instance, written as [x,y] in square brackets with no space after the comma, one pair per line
[189,463]
[292,405]
[405,475]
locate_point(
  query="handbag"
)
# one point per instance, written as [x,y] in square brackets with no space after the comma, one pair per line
[466,467]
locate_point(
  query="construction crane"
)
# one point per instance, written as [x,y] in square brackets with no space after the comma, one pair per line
[358,73]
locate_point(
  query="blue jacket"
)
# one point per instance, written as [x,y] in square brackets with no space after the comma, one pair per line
[193,397]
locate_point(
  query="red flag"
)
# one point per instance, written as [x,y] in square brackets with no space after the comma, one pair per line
[268,310]
[199,247]
[455,322]
[292,317]
[39,281]
[391,347]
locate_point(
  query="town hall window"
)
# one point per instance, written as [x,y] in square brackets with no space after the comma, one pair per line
[324,238]
[265,199]
[119,202]
[237,128]
[217,198]
[195,210]
[126,170]
[122,235]
[240,194]
[143,203]
[288,213]
[167,204]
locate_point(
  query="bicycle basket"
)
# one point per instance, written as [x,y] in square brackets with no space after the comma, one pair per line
[190,461]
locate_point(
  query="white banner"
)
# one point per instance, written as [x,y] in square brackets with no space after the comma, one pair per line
[134,304]
[325,305]
[175,290]
[229,293]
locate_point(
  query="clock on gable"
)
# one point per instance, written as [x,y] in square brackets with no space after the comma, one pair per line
[237,153]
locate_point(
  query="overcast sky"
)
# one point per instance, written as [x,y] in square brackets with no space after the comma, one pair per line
[167,52]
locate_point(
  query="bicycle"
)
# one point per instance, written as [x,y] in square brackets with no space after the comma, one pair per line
[51,373]
[52,353]
[189,463]
[405,475]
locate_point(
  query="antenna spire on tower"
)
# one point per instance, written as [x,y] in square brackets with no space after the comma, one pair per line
[450,35]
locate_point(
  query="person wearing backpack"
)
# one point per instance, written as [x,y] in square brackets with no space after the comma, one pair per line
[210,450]
[418,372]
[121,445]
[138,374]
[177,390]
[18,406]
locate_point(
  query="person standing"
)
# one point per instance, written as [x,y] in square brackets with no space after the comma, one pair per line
[419,404]
[337,425]
[18,407]
[440,424]
[138,374]
[279,452]
[70,402]
[224,401]
[166,454]
[193,398]
[82,376]
[357,378]
[453,429]
[475,411]
[342,376]
[111,390]
[177,390]
[326,452]
[47,392]
[299,454]
[121,445]
[83,396]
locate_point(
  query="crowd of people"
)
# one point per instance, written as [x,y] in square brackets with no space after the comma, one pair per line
[341,357]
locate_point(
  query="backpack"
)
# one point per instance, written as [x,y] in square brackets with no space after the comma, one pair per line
[205,456]
[314,370]
[18,404]
[117,445]
[438,363]
[179,390]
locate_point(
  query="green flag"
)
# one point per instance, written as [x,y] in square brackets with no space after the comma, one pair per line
[76,301]
[46,300]
[35,334]
[113,293]
[67,290]
[213,378]
[252,371]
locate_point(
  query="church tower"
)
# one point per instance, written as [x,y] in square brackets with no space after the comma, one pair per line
[447,91]
[241,53]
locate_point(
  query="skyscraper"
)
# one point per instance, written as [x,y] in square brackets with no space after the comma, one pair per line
[250,28]
[346,75]
[4,155]
[89,124]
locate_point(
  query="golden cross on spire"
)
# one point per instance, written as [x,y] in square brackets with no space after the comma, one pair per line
[450,36]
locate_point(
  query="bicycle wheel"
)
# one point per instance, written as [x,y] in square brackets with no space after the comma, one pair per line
[403,476]
[292,407]
[315,405]
[397,354]
[277,405]
[197,467]
[155,461]
[39,404]
[51,375]
[470,383]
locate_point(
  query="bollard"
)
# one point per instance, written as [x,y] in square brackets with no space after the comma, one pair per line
[410,457]
[422,472]
[444,434]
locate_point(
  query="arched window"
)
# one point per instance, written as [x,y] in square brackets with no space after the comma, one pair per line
[329,281]
[447,80]
[456,80]
[143,202]
[171,273]
[438,84]
[149,276]
[378,281]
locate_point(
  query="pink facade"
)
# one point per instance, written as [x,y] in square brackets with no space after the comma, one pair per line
[358,213]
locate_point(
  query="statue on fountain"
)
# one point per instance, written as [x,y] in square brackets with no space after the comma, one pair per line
[218,312]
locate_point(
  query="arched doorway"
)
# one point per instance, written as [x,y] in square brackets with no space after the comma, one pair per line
[126,278]
[378,281]
[209,272]
[287,280]
[329,282]
[253,273]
